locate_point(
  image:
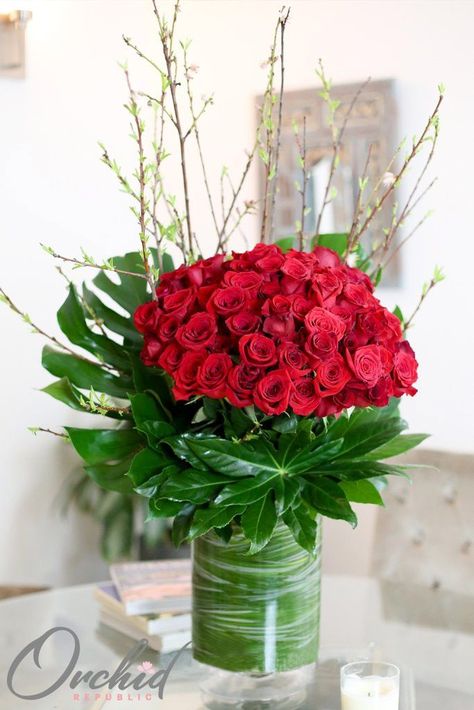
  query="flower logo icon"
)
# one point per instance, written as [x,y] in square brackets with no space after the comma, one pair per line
[146,667]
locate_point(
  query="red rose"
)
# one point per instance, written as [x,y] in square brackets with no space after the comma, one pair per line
[333,375]
[380,394]
[167,328]
[204,293]
[292,357]
[146,317]
[322,320]
[326,257]
[277,305]
[257,350]
[296,268]
[179,303]
[321,345]
[170,358]
[273,392]
[212,375]
[327,285]
[268,258]
[292,287]
[281,328]
[243,323]
[242,380]
[248,281]
[358,294]
[198,332]
[151,351]
[367,364]
[185,377]
[304,396]
[206,271]
[270,286]
[270,263]
[300,306]
[227,301]
[405,367]
[326,407]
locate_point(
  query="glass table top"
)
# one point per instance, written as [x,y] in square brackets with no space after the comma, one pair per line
[428,633]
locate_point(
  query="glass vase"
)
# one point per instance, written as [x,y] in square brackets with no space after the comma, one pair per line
[255,620]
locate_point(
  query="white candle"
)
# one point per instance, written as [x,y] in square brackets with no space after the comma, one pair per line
[369,693]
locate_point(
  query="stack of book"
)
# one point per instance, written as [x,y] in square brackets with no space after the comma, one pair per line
[149,600]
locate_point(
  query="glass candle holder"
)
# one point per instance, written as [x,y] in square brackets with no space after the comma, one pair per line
[366,685]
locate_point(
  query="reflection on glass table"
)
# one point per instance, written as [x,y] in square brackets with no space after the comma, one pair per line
[429,634]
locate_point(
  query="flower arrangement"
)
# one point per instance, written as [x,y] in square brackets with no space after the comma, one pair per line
[248,389]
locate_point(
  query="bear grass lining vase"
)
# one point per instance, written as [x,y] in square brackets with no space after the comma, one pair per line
[255,619]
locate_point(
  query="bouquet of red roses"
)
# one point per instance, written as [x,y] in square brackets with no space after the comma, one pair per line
[297,332]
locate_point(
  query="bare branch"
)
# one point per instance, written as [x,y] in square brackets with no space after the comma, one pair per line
[427,288]
[167,37]
[143,207]
[337,135]
[359,207]
[302,189]
[39,331]
[267,147]
[91,264]
[194,127]
[35,429]
[282,23]
[415,148]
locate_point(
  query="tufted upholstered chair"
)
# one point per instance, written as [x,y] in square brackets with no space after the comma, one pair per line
[426,534]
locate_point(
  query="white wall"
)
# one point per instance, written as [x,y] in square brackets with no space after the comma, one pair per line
[53,188]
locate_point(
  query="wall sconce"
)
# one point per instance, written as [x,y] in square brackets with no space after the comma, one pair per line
[12,43]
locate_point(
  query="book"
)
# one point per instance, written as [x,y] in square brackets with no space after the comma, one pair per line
[163,644]
[153,587]
[150,624]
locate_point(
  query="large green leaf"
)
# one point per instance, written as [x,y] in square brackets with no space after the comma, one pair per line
[73,324]
[356,470]
[162,508]
[146,463]
[328,498]
[101,445]
[291,489]
[302,525]
[130,291]
[396,446]
[64,392]
[85,374]
[231,458]
[362,439]
[182,524]
[157,383]
[286,243]
[312,456]
[150,418]
[111,477]
[112,320]
[258,522]
[249,490]
[193,486]
[337,242]
[213,517]
[361,492]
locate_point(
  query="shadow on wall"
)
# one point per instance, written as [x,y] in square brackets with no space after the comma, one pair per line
[62,548]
